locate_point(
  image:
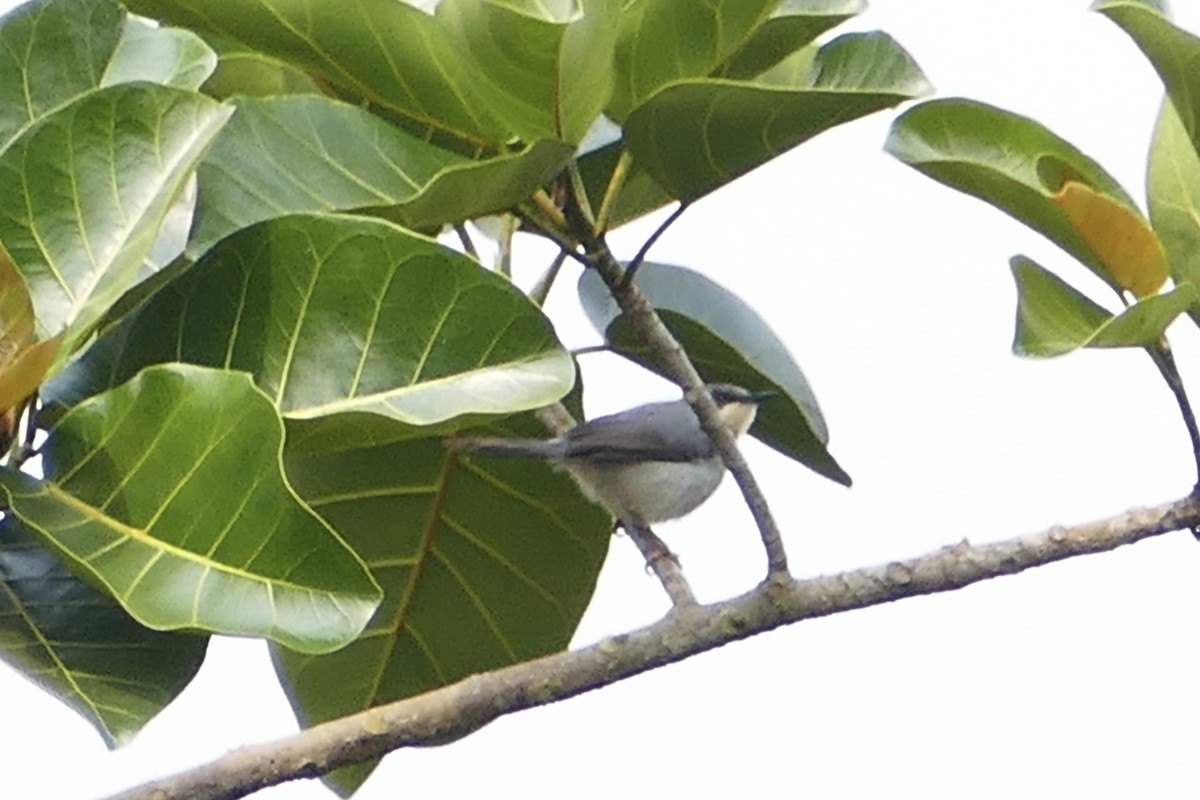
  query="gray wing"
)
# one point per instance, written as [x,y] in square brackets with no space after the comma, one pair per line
[654,432]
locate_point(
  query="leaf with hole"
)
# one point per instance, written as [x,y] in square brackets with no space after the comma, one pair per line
[168,492]
[1012,163]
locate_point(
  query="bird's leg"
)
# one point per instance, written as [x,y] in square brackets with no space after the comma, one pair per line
[661,561]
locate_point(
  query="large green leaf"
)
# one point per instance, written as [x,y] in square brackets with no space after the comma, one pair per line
[340,314]
[168,56]
[50,52]
[1020,167]
[1054,318]
[484,562]
[695,136]
[1173,51]
[78,644]
[545,77]
[168,491]
[87,189]
[794,24]
[662,41]
[1173,189]
[282,155]
[729,343]
[386,52]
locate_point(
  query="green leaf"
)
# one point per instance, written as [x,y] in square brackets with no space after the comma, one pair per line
[288,154]
[484,562]
[1016,165]
[50,52]
[695,136]
[90,186]
[1173,189]
[23,361]
[1173,51]
[80,646]
[340,314]
[729,343]
[545,78]
[168,56]
[241,70]
[1054,318]
[793,25]
[388,53]
[663,41]
[169,492]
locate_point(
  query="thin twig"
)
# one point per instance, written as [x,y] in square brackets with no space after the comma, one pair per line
[547,207]
[616,182]
[640,258]
[454,711]
[1161,355]
[465,237]
[579,192]
[592,348]
[647,324]
[541,289]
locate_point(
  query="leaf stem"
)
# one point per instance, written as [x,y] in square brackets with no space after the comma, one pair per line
[504,260]
[1162,357]
[640,258]
[464,236]
[616,182]
[541,289]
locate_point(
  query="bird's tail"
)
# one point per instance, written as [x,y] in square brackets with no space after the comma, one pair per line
[509,448]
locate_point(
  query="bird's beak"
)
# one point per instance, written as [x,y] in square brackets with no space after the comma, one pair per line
[758,397]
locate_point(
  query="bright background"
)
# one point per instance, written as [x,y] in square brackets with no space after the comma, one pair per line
[1079,679]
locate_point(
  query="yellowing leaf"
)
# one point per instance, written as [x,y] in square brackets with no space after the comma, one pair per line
[1119,236]
[23,362]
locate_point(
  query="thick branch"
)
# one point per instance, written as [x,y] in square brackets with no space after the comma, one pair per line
[443,715]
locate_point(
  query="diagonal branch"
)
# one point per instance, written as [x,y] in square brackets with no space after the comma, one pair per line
[448,713]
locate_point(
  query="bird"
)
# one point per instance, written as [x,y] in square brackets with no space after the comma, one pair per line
[646,465]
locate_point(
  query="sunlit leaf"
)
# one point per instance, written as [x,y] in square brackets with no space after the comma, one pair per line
[729,343]
[80,645]
[794,24]
[168,491]
[90,186]
[1173,189]
[169,56]
[341,314]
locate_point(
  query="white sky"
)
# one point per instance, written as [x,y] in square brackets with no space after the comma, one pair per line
[894,294]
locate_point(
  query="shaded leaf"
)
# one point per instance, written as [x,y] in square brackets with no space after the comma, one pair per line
[1173,51]
[389,53]
[50,52]
[23,361]
[546,78]
[92,183]
[339,314]
[695,136]
[729,343]
[1008,161]
[793,25]
[80,646]
[484,563]
[169,56]
[663,41]
[1173,189]
[168,491]
[288,154]
[1054,318]
[1119,236]
[242,70]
